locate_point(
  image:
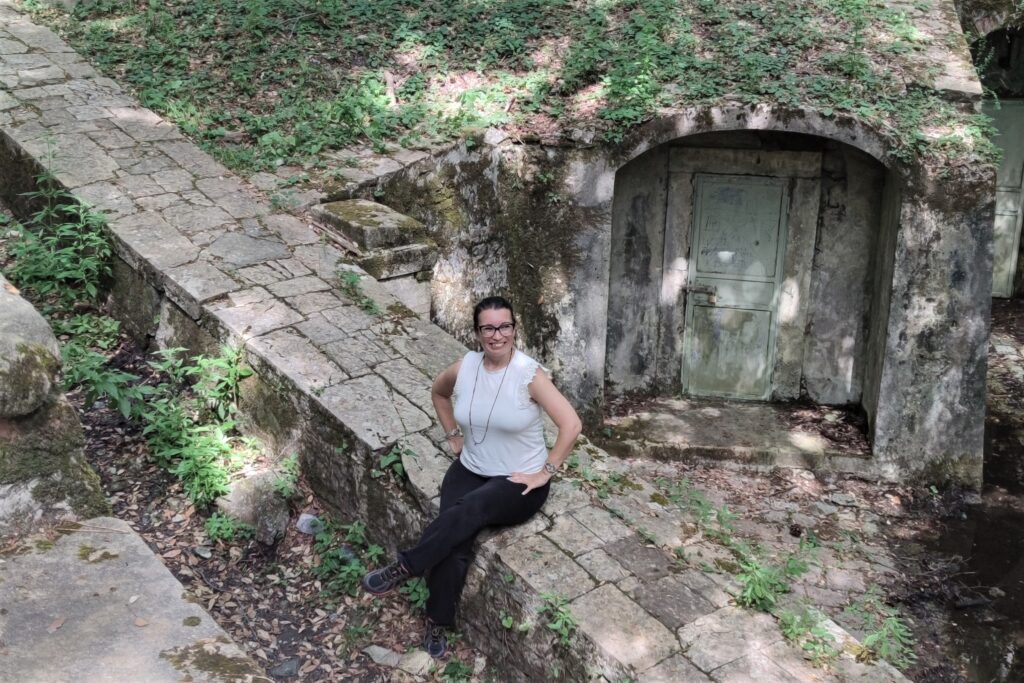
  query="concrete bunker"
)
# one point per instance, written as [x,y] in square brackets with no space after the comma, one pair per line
[878,295]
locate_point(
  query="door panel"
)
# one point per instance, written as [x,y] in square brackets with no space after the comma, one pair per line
[1009,119]
[739,234]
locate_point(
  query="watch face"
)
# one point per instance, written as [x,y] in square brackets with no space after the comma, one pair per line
[549,468]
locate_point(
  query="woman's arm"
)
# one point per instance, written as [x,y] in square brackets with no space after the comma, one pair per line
[441,396]
[561,412]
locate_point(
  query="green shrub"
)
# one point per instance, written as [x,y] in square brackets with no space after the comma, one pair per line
[220,527]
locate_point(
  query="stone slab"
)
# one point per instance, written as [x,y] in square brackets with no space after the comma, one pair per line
[645,562]
[150,237]
[100,606]
[254,318]
[291,355]
[196,283]
[621,628]
[571,536]
[675,669]
[409,382]
[546,568]
[726,635]
[374,412]
[602,567]
[369,224]
[672,602]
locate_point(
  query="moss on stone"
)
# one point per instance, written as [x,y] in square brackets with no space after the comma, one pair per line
[31,373]
[92,555]
[191,621]
[47,447]
[205,657]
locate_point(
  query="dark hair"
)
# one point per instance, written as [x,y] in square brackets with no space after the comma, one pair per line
[492,303]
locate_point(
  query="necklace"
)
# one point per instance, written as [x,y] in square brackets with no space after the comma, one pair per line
[476,378]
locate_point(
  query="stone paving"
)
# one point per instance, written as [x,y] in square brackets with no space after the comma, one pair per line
[99,605]
[651,592]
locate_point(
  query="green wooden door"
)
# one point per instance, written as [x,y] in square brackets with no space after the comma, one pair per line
[739,232]
[1009,119]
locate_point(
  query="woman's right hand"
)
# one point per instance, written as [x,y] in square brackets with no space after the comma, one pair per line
[455,443]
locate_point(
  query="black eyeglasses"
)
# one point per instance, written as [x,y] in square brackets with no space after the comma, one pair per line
[504,329]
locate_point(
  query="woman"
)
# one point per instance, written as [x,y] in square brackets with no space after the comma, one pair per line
[489,404]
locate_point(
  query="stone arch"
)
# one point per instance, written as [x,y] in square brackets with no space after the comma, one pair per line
[647,321]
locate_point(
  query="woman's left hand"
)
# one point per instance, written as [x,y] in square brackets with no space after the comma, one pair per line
[532,481]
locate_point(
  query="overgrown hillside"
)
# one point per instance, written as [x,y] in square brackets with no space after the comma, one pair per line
[266,82]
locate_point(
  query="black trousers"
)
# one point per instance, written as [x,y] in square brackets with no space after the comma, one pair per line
[469,503]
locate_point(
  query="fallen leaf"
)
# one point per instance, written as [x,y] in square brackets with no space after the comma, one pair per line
[172,553]
[56,624]
[140,622]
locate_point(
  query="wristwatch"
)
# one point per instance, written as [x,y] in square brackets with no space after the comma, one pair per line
[454,433]
[550,469]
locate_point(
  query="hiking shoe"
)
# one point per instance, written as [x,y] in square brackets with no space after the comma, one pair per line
[385,579]
[435,641]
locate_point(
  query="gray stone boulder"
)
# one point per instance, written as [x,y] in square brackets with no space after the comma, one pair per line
[254,500]
[43,473]
[29,355]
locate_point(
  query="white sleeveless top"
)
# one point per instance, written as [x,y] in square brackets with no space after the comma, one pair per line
[514,440]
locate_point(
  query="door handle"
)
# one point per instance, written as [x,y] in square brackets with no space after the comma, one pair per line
[711,291]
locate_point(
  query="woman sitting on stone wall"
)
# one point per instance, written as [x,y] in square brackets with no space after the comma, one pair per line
[489,404]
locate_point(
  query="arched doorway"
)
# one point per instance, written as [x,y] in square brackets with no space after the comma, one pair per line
[750,265]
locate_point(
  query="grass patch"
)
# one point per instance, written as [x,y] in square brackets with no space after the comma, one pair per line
[261,83]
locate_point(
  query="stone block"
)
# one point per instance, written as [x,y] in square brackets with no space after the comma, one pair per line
[545,568]
[602,523]
[427,346]
[254,501]
[133,301]
[314,302]
[601,566]
[621,628]
[240,250]
[253,318]
[143,125]
[150,238]
[425,466]
[349,318]
[193,284]
[290,229]
[369,224]
[319,331]
[298,286]
[754,667]
[571,536]
[357,354]
[372,411]
[672,602]
[289,354]
[408,381]
[726,635]
[675,669]
[398,261]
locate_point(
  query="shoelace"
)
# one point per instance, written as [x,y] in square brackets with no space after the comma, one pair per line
[394,571]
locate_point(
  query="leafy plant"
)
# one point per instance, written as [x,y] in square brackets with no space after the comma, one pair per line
[555,609]
[888,635]
[220,527]
[456,672]
[63,249]
[893,641]
[218,380]
[392,461]
[416,592]
[288,476]
[806,630]
[349,281]
[761,585]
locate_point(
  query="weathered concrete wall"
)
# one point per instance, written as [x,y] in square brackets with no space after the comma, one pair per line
[560,269]
[637,270]
[836,343]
